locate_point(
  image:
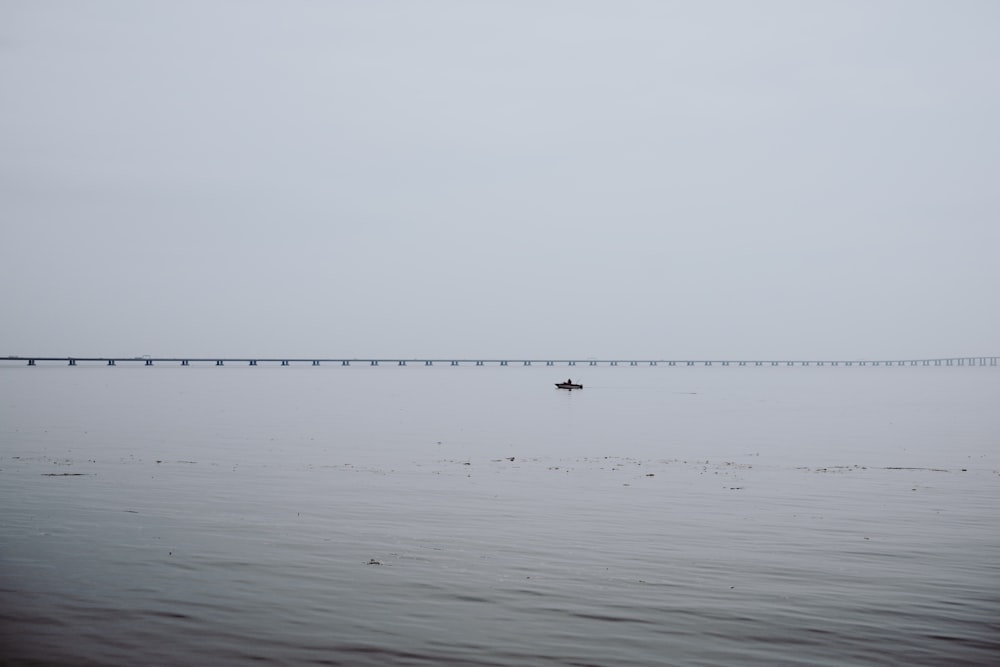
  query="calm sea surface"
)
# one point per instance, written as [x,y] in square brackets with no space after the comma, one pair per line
[478,516]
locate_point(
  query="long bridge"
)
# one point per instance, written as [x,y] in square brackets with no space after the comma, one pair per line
[314,361]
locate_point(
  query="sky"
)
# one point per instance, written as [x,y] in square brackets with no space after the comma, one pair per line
[567,179]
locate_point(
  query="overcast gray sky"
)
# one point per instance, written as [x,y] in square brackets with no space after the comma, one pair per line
[501,179]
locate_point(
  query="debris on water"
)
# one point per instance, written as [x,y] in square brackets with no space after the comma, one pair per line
[372,561]
[63,474]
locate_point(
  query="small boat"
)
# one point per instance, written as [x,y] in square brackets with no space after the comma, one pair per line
[569,384]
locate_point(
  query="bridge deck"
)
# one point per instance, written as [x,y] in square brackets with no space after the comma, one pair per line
[317,361]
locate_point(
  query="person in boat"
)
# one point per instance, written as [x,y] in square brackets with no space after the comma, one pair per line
[568,381]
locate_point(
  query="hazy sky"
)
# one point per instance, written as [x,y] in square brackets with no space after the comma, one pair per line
[500,179]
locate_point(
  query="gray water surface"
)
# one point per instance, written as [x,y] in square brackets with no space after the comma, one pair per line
[479,516]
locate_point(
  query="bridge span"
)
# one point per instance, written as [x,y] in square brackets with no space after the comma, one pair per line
[398,361]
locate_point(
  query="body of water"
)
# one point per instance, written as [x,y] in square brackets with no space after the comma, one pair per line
[479,516]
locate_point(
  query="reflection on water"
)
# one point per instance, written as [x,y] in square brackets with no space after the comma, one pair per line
[424,516]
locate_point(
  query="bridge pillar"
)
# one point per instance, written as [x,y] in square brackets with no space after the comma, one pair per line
[652,363]
[593,363]
[72,362]
[671,363]
[572,363]
[526,363]
[345,362]
[149,362]
[218,362]
[479,363]
[454,363]
[184,362]
[374,362]
[503,363]
[31,362]
[690,363]
[284,362]
[315,362]
[111,362]
[253,362]
[725,363]
[402,363]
